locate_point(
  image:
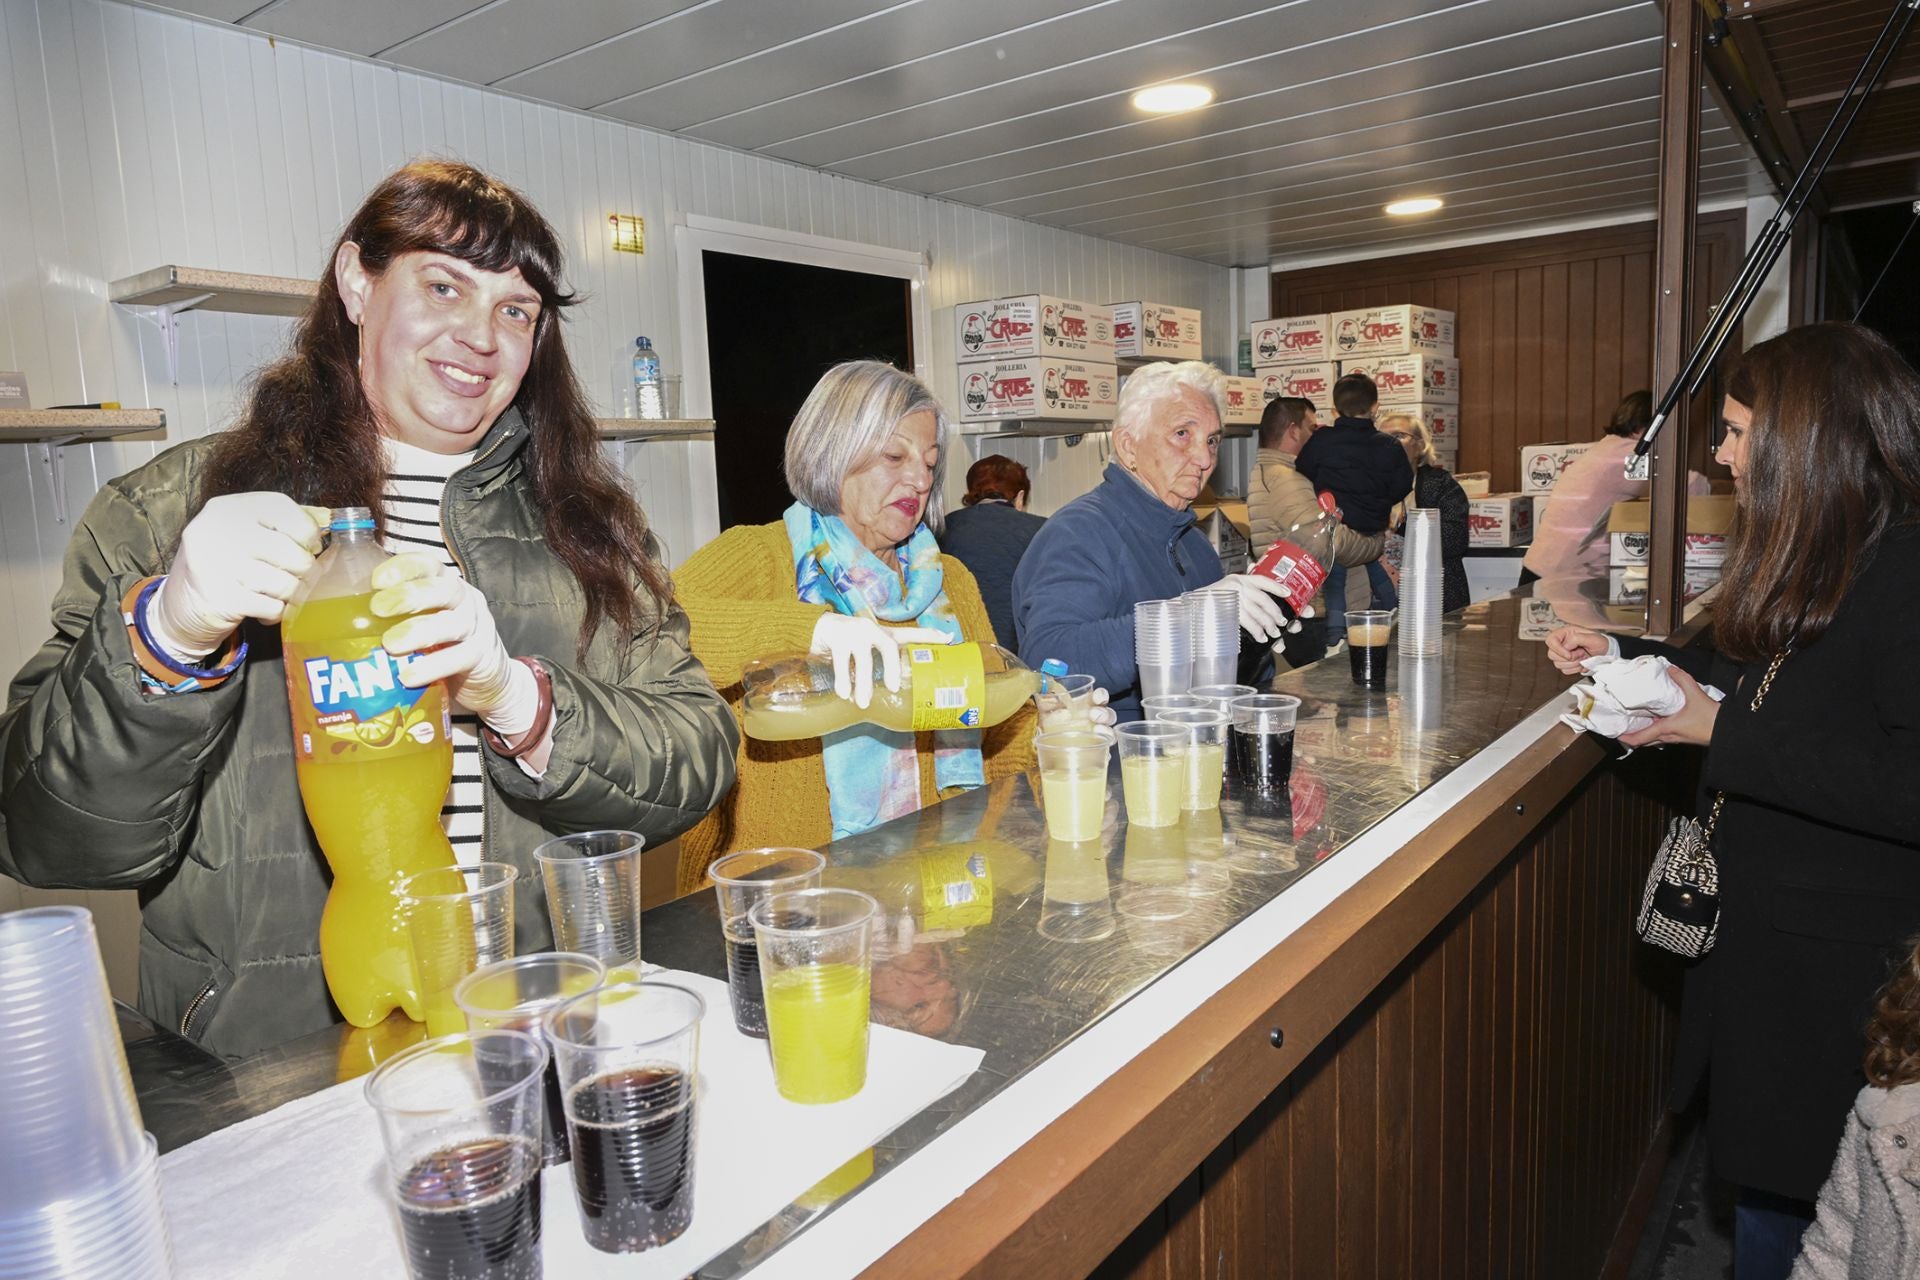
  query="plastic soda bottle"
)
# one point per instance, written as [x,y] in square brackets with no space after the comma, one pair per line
[374,758]
[1299,558]
[648,398]
[952,686]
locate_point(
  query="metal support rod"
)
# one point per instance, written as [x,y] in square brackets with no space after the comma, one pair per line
[1673,301]
[53,456]
[1774,236]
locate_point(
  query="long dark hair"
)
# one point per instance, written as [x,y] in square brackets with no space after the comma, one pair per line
[309,431]
[1833,462]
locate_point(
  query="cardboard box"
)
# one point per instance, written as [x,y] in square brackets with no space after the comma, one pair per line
[1709,524]
[1033,324]
[1410,380]
[1439,419]
[1628,585]
[1541,465]
[1245,402]
[1155,330]
[1290,340]
[1500,520]
[1404,330]
[1038,387]
[1475,484]
[1310,381]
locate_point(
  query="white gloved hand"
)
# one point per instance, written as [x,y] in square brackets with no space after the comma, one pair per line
[852,643]
[1056,712]
[450,632]
[241,557]
[1264,613]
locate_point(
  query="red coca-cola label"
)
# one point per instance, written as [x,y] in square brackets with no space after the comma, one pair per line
[1309,796]
[1073,327]
[1008,327]
[1297,572]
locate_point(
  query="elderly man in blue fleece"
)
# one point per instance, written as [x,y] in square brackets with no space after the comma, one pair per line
[1134,538]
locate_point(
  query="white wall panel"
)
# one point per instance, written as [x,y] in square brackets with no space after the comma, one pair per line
[131,138]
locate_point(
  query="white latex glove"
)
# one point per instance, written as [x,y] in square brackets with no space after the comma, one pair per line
[1054,714]
[852,643]
[449,630]
[1263,612]
[241,557]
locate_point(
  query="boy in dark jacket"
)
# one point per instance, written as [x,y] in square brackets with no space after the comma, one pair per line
[1367,473]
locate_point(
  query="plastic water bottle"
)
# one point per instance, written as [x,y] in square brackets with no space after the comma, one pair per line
[648,400]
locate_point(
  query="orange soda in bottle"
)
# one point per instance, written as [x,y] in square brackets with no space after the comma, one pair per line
[374,758]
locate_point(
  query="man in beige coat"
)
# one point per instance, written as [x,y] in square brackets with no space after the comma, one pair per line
[1279,497]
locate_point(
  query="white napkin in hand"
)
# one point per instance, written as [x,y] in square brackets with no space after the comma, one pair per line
[1625,695]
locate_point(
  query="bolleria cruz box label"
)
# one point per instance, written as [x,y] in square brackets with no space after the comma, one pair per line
[1245,402]
[1308,381]
[1038,388]
[1541,465]
[1033,324]
[1502,520]
[1409,380]
[1392,331]
[1145,330]
[1290,340]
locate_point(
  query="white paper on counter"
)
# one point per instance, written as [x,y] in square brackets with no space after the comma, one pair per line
[300,1191]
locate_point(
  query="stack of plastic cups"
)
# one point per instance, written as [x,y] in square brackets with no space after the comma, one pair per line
[1163,646]
[1420,585]
[79,1179]
[1213,618]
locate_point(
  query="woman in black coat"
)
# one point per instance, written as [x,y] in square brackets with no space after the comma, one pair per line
[1818,845]
[1435,487]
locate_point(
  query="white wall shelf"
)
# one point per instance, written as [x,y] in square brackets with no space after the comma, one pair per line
[54,429]
[654,428]
[162,293]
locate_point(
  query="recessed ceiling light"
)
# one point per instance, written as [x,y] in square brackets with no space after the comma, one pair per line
[1419,204]
[1165,99]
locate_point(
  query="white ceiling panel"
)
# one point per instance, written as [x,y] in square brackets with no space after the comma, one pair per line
[1517,113]
[355,26]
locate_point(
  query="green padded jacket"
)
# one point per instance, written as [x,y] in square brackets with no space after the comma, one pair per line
[191,798]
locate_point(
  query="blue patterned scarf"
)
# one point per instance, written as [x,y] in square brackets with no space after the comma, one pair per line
[873,774]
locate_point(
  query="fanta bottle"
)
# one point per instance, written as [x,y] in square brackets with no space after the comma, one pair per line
[374,758]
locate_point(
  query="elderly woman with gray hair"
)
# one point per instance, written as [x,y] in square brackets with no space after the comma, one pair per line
[1134,537]
[853,571]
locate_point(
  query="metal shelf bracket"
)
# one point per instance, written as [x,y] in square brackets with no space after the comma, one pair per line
[166,318]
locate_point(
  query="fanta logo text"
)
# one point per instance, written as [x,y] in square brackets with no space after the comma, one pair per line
[1008,327]
[335,686]
[1073,326]
[1074,388]
[1300,338]
[1012,388]
[1375,331]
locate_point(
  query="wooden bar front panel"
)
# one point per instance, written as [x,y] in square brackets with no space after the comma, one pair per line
[1486,1111]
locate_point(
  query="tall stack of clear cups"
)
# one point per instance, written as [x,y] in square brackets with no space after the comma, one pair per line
[1420,585]
[1213,620]
[79,1178]
[1163,646]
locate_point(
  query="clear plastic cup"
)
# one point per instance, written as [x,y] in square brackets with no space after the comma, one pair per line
[593,897]
[69,1124]
[1152,774]
[1073,781]
[515,995]
[1213,616]
[741,880]
[1263,740]
[117,1232]
[1151,707]
[1076,900]
[1162,646]
[460,1120]
[816,965]
[1222,695]
[459,919]
[1203,754]
[629,1058]
[1065,703]
[1369,637]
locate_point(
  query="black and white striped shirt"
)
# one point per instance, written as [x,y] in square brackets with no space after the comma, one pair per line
[410,504]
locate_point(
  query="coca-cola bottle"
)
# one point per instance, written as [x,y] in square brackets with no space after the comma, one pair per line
[1299,558]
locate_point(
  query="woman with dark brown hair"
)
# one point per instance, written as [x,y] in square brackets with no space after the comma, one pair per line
[1817,750]
[148,744]
[990,533]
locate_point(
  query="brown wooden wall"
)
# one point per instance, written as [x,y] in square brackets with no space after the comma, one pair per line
[1552,330]
[1485,1112]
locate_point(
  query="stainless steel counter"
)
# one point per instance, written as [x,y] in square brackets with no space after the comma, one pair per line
[1068,932]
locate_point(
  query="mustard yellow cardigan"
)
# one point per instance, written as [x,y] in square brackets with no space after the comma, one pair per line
[739,596]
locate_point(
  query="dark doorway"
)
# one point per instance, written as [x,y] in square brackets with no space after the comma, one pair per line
[772,329]
[1884,239]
